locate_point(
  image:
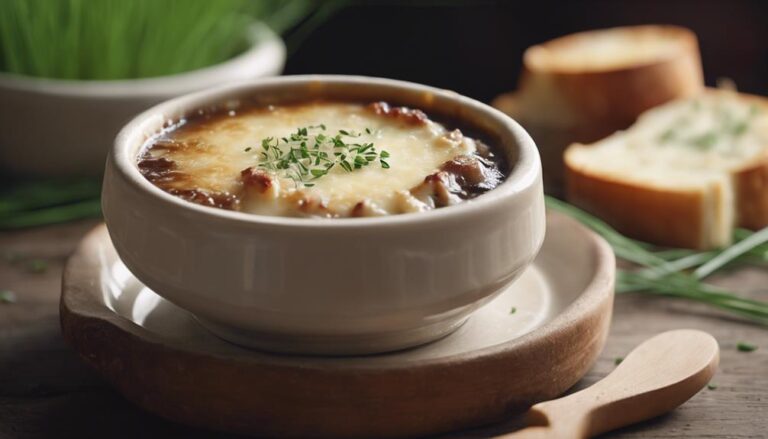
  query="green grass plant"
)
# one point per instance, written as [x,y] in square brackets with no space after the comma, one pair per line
[679,273]
[122,39]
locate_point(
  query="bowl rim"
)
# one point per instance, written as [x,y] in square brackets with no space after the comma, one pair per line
[524,173]
[265,55]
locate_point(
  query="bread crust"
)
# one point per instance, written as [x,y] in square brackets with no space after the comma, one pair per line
[751,183]
[615,201]
[609,99]
[751,193]
[668,217]
[564,106]
[673,218]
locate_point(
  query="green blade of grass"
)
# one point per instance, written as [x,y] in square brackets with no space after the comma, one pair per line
[52,215]
[731,253]
[752,309]
[664,271]
[120,39]
[624,247]
[684,263]
[24,196]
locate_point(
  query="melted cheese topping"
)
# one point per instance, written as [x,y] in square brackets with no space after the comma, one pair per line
[211,154]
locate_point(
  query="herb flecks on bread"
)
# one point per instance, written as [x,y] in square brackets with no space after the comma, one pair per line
[684,175]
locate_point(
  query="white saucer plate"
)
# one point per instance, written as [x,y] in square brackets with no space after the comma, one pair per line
[532,342]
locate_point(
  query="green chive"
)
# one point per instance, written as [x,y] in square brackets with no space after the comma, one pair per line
[732,253]
[745,347]
[663,271]
[300,163]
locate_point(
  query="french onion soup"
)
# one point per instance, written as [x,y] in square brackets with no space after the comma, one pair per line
[320,159]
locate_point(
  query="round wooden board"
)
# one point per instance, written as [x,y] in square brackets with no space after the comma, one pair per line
[497,364]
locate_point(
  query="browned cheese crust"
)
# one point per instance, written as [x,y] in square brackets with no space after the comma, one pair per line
[459,179]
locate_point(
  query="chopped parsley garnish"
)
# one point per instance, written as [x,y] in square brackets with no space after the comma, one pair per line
[739,128]
[618,360]
[667,135]
[727,126]
[745,347]
[310,153]
[705,141]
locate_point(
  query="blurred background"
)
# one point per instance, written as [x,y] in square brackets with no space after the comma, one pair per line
[476,47]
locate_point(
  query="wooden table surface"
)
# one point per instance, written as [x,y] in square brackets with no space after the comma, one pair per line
[46,392]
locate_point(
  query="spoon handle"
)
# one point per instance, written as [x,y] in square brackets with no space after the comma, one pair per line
[657,376]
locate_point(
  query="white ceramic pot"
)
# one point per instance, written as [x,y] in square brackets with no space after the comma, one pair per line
[63,127]
[328,286]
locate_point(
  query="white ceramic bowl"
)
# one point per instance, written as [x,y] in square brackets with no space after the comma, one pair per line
[328,286]
[63,127]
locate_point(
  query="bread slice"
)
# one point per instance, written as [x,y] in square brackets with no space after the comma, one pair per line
[684,175]
[585,86]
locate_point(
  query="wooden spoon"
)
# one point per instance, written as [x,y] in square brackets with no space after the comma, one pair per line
[659,375]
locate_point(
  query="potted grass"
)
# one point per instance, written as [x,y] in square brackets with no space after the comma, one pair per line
[72,72]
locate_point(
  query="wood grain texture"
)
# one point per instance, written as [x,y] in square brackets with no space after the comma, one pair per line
[47,392]
[656,377]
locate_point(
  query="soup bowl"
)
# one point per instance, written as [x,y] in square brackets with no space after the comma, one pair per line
[327,286]
[61,127]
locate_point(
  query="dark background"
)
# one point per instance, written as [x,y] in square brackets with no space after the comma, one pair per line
[475,48]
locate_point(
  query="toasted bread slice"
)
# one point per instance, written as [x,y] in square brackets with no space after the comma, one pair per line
[684,175]
[586,86]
